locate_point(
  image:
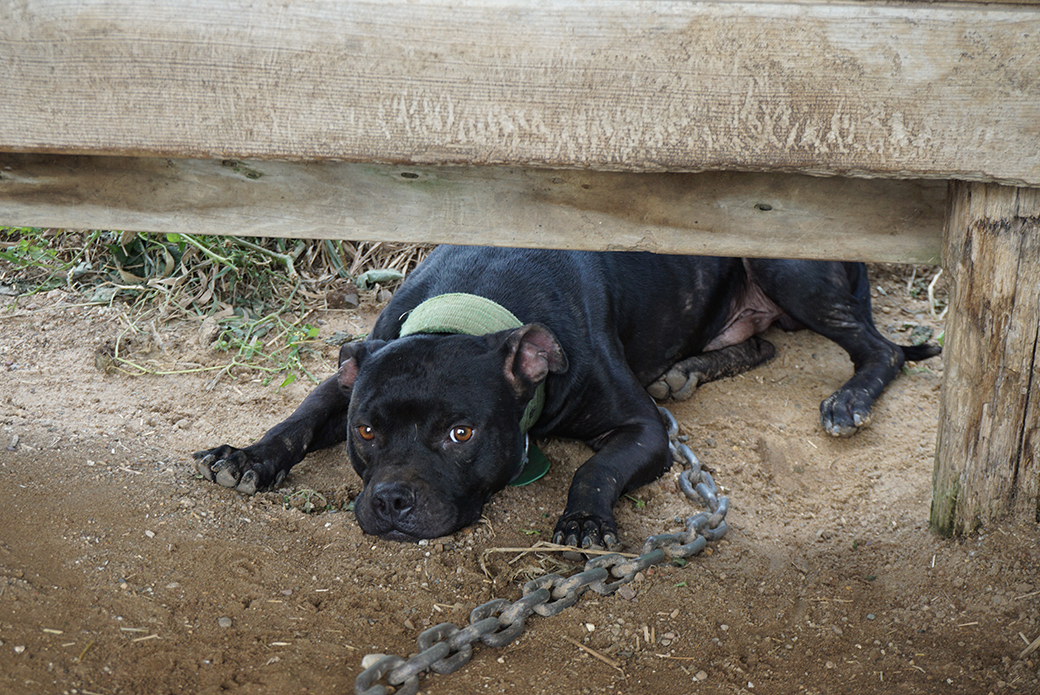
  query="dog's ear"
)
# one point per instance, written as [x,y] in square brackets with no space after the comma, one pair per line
[351,355]
[531,353]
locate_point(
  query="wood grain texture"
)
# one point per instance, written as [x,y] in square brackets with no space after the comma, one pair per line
[943,90]
[989,436]
[718,213]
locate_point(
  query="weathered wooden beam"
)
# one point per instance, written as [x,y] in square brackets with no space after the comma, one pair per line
[721,213]
[920,90]
[988,458]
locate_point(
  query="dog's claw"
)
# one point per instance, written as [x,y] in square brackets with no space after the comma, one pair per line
[227,475]
[203,466]
[249,482]
[658,390]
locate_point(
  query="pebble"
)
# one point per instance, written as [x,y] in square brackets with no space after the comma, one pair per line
[701,676]
[224,621]
[19,649]
[371,659]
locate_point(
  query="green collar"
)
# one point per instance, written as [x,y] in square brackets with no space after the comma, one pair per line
[470,314]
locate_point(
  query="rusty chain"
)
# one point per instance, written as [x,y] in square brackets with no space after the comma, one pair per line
[446,648]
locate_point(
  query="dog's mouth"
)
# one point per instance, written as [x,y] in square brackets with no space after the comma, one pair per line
[399,536]
[398,512]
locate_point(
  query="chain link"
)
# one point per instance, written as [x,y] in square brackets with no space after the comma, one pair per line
[446,648]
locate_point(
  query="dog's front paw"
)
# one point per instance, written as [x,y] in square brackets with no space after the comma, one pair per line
[586,531]
[677,384]
[845,412]
[240,469]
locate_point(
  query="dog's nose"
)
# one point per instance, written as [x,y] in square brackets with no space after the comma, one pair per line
[392,501]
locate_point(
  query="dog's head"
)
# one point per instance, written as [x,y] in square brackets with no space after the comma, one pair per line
[434,424]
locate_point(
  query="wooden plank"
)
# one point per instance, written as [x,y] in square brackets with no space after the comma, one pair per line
[720,213]
[945,90]
[988,458]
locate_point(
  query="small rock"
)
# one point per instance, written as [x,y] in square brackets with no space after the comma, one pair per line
[150,534]
[209,331]
[626,592]
[343,298]
[371,659]
[384,296]
[224,622]
[173,585]
[19,649]
[701,676]
[182,424]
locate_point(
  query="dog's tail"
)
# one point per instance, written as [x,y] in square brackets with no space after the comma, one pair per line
[916,353]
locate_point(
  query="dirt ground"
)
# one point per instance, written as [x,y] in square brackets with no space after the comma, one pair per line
[121,571]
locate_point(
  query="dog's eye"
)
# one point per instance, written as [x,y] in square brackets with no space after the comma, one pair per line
[461,434]
[366,433]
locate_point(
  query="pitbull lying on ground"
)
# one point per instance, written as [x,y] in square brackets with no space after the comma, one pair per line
[434,420]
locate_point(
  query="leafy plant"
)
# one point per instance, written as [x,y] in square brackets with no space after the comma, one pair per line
[260,292]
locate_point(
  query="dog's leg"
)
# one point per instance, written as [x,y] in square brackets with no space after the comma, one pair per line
[684,377]
[833,299]
[319,422]
[627,456]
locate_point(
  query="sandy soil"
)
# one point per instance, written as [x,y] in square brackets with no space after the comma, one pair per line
[122,572]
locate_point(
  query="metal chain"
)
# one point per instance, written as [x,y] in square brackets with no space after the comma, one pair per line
[446,648]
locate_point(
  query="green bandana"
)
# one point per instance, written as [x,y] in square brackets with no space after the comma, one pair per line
[470,314]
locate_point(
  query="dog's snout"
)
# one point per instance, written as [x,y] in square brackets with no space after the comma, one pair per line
[392,501]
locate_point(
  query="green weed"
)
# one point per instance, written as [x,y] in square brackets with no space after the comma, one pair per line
[261,292]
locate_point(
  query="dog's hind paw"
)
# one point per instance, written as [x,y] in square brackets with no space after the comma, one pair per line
[676,384]
[586,532]
[845,412]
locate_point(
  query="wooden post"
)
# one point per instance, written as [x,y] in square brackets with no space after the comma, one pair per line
[989,436]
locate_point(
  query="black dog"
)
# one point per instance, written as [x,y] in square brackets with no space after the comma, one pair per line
[433,420]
